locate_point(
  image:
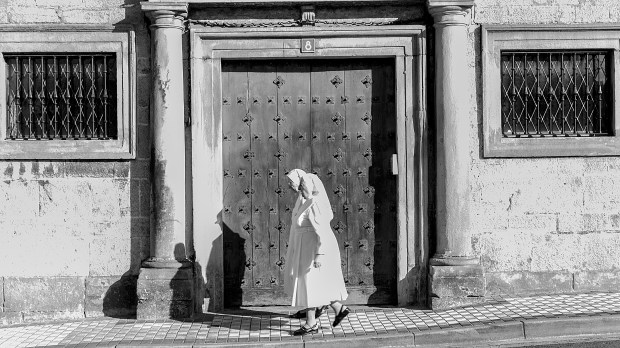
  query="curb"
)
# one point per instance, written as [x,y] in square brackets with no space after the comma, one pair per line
[507,332]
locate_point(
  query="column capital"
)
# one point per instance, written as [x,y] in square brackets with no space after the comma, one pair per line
[449,12]
[165,14]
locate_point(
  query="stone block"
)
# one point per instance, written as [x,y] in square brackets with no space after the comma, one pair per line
[600,194]
[66,198]
[524,283]
[80,169]
[539,195]
[8,318]
[143,66]
[144,95]
[439,304]
[140,251]
[24,15]
[457,287]
[40,252]
[140,169]
[2,294]
[144,142]
[34,317]
[49,294]
[106,200]
[59,3]
[473,271]
[143,115]
[109,256]
[533,222]
[124,197]
[111,296]
[19,199]
[93,16]
[8,170]
[597,281]
[145,198]
[51,169]
[140,227]
[165,292]
[161,308]
[121,169]
[575,252]
[495,254]
[453,285]
[134,197]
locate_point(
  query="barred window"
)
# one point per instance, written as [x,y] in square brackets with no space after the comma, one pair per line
[61,96]
[556,93]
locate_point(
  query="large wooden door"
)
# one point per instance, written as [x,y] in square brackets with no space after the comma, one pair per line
[335,118]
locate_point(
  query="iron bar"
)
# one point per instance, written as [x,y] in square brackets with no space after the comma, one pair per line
[67,98]
[42,99]
[105,96]
[57,96]
[584,74]
[564,92]
[514,98]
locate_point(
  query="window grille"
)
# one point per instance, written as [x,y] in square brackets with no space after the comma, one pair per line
[556,94]
[61,96]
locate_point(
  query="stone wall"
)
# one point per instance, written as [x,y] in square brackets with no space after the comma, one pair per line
[74,232]
[547,224]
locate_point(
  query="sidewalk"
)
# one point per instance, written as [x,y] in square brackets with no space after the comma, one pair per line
[515,319]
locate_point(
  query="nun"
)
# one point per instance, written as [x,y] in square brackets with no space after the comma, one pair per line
[313,275]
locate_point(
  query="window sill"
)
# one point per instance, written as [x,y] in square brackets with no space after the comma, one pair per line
[496,38]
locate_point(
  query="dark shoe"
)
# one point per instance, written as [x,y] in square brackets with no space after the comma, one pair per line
[302,314]
[298,315]
[344,311]
[304,330]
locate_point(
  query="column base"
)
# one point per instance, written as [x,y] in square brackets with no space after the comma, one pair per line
[456,285]
[165,290]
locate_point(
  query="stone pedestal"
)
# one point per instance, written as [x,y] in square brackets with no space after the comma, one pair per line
[166,281]
[456,277]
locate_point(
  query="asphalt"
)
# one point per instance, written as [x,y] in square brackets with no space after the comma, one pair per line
[499,322]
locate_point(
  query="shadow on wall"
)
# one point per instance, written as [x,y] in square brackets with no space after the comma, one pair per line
[120,299]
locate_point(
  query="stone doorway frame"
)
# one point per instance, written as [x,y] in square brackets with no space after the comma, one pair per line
[406,44]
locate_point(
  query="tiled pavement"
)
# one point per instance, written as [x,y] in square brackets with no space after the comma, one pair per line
[513,318]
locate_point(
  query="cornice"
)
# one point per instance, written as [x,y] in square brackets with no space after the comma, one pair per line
[447,3]
[165,14]
[178,7]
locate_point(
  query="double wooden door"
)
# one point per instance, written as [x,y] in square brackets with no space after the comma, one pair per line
[335,118]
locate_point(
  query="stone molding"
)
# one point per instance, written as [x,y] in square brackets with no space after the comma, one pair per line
[449,12]
[165,15]
[267,23]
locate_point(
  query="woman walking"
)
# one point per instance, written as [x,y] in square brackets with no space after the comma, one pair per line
[313,276]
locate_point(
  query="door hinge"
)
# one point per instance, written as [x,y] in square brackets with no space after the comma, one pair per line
[394,162]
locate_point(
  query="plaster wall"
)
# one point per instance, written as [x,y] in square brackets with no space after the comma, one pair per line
[74,232]
[542,225]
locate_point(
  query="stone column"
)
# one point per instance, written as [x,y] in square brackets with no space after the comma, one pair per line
[455,276]
[165,283]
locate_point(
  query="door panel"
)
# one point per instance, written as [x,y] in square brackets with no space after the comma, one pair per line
[335,118]
[237,164]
